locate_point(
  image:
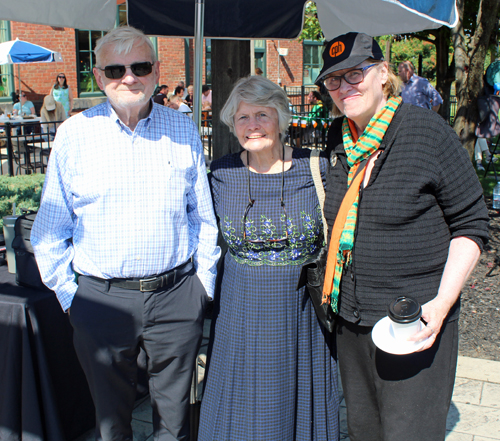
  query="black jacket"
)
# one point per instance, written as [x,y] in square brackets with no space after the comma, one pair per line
[423,191]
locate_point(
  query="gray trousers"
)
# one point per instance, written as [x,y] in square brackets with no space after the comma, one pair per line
[396,397]
[112,324]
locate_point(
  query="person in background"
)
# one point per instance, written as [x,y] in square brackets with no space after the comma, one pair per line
[161,95]
[23,106]
[272,374]
[126,206]
[179,91]
[206,97]
[62,93]
[176,103]
[189,97]
[319,111]
[415,228]
[417,90]
[259,71]
[52,114]
[183,85]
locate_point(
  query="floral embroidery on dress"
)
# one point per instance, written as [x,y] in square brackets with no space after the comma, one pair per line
[267,242]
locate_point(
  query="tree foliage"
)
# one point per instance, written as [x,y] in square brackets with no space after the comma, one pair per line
[311,29]
[408,48]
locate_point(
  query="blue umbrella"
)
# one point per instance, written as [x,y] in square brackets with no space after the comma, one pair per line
[20,52]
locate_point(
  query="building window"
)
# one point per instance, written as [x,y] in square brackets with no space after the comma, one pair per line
[260,55]
[208,61]
[6,70]
[85,45]
[312,61]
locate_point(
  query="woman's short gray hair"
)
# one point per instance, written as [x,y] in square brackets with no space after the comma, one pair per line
[123,39]
[257,91]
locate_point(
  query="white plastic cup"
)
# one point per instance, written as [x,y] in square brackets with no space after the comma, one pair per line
[405,313]
[403,331]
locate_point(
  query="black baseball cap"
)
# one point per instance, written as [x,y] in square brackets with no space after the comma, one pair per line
[348,51]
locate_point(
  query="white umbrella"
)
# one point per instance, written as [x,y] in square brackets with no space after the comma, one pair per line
[21,52]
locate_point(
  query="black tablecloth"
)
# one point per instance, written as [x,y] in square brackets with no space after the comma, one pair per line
[43,391]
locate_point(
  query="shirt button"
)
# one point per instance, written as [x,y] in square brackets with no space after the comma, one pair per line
[138,258]
[356,313]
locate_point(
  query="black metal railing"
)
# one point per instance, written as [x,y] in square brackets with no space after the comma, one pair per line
[25,146]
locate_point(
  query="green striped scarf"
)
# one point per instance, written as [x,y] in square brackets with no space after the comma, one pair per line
[357,152]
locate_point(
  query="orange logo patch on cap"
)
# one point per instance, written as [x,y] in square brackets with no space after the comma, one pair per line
[337,49]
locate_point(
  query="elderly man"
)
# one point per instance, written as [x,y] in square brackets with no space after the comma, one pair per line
[417,90]
[126,237]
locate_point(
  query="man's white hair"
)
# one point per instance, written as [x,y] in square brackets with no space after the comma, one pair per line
[123,39]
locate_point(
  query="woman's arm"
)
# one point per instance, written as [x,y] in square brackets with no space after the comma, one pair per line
[32,110]
[463,256]
[70,96]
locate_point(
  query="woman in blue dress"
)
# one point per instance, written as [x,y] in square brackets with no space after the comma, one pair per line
[62,93]
[272,374]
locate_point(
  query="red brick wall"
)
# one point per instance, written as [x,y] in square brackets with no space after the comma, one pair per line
[287,68]
[37,78]
[171,54]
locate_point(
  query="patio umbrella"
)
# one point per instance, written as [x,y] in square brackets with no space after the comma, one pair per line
[277,19]
[282,19]
[21,52]
[233,19]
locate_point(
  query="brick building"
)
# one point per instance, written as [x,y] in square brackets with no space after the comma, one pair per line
[297,65]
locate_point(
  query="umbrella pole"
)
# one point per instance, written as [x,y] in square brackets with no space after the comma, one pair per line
[198,60]
[19,79]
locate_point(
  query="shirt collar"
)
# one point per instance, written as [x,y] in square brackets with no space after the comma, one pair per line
[112,114]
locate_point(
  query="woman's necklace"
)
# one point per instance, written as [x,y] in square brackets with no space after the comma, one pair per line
[252,201]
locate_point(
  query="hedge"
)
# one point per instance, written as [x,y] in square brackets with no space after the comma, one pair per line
[24,190]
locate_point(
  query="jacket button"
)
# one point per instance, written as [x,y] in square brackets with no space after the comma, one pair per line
[356,313]
[352,276]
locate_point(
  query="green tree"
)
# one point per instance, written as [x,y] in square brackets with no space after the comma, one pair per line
[471,49]
[311,29]
[412,49]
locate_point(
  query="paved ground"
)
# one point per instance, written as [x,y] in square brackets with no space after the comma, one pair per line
[474,414]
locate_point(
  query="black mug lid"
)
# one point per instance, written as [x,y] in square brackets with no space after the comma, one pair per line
[405,310]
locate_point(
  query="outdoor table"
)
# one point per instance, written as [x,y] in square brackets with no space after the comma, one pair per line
[20,121]
[43,392]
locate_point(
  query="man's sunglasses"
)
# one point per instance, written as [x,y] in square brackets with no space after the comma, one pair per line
[118,71]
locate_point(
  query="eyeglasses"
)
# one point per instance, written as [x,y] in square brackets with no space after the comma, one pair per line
[61,76]
[117,71]
[354,76]
[274,243]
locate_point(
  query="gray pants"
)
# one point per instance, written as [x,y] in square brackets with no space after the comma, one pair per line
[396,397]
[112,324]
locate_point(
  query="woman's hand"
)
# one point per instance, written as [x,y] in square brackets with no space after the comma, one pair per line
[433,313]
[463,255]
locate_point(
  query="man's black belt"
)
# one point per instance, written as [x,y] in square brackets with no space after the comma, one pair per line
[147,284]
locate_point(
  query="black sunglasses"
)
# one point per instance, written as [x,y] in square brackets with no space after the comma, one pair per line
[61,76]
[118,71]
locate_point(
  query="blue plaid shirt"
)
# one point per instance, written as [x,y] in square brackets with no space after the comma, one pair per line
[419,92]
[122,203]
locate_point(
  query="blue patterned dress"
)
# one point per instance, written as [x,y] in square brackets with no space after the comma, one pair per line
[271,373]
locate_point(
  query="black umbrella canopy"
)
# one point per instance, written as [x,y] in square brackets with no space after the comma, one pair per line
[271,19]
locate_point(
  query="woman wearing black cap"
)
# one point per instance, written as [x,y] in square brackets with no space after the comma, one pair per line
[415,224]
